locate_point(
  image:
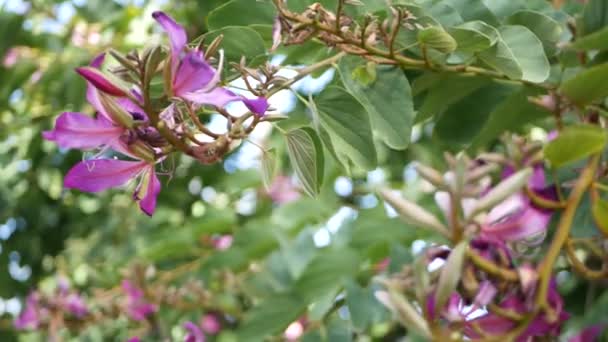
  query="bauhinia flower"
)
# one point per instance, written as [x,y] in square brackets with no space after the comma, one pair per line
[32,314]
[195,333]
[137,308]
[514,219]
[192,78]
[544,324]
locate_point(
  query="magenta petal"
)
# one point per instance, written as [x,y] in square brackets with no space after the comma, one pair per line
[101,174]
[218,97]
[98,61]
[195,334]
[193,74]
[148,201]
[29,317]
[257,106]
[486,293]
[100,81]
[177,36]
[76,130]
[589,334]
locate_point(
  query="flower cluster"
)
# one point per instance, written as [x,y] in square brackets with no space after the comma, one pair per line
[131,123]
[41,308]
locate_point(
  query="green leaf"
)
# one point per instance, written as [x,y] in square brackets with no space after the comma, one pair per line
[238,41]
[600,215]
[439,10]
[547,29]
[444,91]
[348,126]
[474,36]
[510,115]
[597,40]
[358,301]
[502,9]
[587,86]
[241,13]
[437,38]
[575,143]
[270,317]
[462,122]
[474,10]
[595,16]
[269,167]
[388,101]
[518,54]
[326,272]
[306,155]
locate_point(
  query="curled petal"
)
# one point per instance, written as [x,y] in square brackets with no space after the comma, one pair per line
[147,200]
[193,73]
[520,220]
[77,130]
[177,36]
[258,105]
[101,174]
[100,81]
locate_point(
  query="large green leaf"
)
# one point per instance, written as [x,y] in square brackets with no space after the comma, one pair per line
[474,36]
[271,316]
[238,41]
[597,40]
[502,9]
[511,115]
[595,16]
[442,12]
[587,86]
[348,126]
[547,29]
[461,123]
[443,91]
[471,10]
[575,143]
[241,13]
[306,155]
[518,54]
[388,101]
[326,272]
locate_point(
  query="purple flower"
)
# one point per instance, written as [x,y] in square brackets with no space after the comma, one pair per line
[195,333]
[282,190]
[543,325]
[192,78]
[589,334]
[100,81]
[100,174]
[30,317]
[210,324]
[77,130]
[137,307]
[75,305]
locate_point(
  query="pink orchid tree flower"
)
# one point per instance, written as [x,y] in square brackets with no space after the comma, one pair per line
[32,314]
[137,308]
[195,333]
[192,78]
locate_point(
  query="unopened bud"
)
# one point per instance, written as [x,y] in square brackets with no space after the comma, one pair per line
[450,274]
[437,38]
[480,172]
[141,150]
[431,175]
[153,58]
[118,114]
[101,81]
[405,312]
[412,212]
[214,46]
[503,190]
[123,60]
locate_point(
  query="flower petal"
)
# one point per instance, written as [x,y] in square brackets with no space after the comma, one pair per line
[258,105]
[218,97]
[193,73]
[101,174]
[195,334]
[77,130]
[147,203]
[177,36]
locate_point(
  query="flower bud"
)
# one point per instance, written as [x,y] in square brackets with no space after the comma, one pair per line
[405,312]
[101,81]
[503,190]
[412,212]
[142,151]
[153,57]
[118,114]
[431,175]
[437,38]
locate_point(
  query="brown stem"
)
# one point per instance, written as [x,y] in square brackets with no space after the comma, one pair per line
[491,268]
[563,230]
